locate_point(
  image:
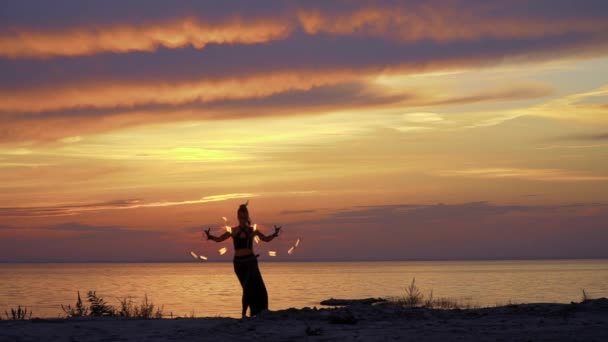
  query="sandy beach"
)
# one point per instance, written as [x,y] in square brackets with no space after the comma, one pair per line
[586,321]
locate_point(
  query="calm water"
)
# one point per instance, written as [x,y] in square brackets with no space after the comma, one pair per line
[209,289]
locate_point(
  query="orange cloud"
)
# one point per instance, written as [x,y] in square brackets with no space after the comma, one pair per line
[438,24]
[127,94]
[126,38]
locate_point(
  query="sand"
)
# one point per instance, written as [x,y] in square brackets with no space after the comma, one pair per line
[363,321]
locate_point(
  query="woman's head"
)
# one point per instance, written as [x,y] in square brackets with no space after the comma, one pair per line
[243,215]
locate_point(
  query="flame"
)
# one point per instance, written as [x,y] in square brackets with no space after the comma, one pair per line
[272,253]
[225,219]
[297,243]
[223,250]
[255,226]
[203,257]
[229,229]
[194,255]
[256,239]
[290,251]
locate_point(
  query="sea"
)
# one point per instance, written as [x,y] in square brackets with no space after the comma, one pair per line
[210,289]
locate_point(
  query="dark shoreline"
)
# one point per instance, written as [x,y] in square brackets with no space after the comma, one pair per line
[364,320]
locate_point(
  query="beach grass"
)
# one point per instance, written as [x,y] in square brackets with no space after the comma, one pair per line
[414,297]
[585,296]
[144,310]
[99,307]
[18,314]
[79,309]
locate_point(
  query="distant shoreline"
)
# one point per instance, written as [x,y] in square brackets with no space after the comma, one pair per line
[587,320]
[272,260]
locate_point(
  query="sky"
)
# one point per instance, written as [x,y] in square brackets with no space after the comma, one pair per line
[384,130]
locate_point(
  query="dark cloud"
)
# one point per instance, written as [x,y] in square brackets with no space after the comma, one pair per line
[8,227]
[67,13]
[298,212]
[84,228]
[78,242]
[477,230]
[199,229]
[300,52]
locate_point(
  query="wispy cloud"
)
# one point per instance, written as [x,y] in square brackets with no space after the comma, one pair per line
[549,175]
[76,209]
[569,147]
[591,136]
[522,92]
[578,106]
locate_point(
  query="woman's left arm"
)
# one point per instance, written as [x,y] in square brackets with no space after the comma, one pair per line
[268,238]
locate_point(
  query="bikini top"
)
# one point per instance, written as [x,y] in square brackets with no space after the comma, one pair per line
[241,242]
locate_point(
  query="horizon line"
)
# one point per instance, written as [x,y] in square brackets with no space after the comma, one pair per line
[302,260]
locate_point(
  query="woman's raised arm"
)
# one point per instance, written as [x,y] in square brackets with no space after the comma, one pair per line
[216,238]
[268,238]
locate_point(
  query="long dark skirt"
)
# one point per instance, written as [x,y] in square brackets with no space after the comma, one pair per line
[254,291]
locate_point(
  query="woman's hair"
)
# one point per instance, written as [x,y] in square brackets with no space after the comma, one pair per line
[243,209]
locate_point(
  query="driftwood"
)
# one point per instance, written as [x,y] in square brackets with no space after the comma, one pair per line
[344,302]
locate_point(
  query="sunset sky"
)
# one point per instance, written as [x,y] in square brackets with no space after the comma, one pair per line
[371,130]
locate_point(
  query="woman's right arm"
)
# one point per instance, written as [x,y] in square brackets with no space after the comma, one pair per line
[217,238]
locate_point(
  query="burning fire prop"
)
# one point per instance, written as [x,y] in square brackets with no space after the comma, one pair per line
[228,228]
[198,257]
[293,248]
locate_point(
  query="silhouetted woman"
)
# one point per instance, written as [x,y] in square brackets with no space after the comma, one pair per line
[246,263]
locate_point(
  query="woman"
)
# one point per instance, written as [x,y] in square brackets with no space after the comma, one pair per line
[246,263]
